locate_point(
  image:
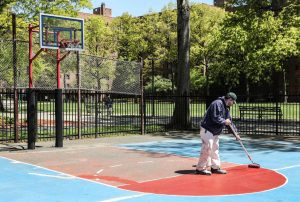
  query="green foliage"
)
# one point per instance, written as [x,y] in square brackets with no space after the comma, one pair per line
[97,72]
[99,37]
[128,37]
[254,42]
[30,9]
[161,85]
[198,80]
[3,4]
[205,25]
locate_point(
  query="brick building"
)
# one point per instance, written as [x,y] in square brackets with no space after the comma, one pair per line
[102,11]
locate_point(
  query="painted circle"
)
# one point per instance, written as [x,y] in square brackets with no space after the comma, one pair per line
[238,180]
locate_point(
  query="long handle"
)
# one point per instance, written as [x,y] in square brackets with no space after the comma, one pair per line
[236,135]
[245,150]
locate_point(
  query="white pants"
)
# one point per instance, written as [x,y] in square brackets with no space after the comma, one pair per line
[209,155]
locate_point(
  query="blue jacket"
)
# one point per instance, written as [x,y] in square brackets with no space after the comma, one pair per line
[214,118]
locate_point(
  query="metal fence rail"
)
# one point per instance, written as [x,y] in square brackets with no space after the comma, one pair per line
[272,115]
[86,114]
[90,118]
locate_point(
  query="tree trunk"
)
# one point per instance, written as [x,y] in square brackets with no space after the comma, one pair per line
[181,116]
[1,105]
[206,77]
[284,86]
[247,89]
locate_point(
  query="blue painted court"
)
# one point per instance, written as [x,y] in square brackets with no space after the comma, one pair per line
[45,176]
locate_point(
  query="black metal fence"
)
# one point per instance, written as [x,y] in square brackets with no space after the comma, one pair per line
[86,114]
[272,115]
[89,117]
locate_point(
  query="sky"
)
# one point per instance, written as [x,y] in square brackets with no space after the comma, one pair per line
[136,7]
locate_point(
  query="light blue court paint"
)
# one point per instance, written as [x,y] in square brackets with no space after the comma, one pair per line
[283,157]
[29,183]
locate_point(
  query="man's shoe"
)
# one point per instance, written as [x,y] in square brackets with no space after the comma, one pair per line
[202,172]
[218,171]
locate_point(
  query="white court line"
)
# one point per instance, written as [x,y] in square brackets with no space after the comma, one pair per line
[145,162]
[53,176]
[16,162]
[36,166]
[160,178]
[124,198]
[99,171]
[173,176]
[288,167]
[116,166]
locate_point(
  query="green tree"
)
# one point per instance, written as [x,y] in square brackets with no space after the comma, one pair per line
[98,73]
[205,25]
[3,4]
[161,85]
[181,116]
[99,38]
[254,41]
[30,9]
[128,37]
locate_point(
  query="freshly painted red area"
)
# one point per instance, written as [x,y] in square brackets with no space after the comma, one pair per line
[107,178]
[239,180]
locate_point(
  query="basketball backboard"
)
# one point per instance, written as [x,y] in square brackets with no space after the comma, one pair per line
[61,32]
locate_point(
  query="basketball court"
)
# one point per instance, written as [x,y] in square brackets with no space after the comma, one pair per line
[149,168]
[135,168]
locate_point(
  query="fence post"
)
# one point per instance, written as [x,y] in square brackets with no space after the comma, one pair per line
[32,118]
[59,129]
[277,120]
[153,88]
[142,98]
[16,103]
[96,100]
[79,113]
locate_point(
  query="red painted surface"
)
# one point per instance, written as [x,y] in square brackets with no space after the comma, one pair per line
[239,180]
[107,178]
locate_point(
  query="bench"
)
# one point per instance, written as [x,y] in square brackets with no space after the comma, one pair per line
[260,112]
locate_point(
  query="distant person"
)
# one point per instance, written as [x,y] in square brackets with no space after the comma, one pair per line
[217,116]
[108,102]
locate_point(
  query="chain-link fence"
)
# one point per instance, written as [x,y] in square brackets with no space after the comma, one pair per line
[78,71]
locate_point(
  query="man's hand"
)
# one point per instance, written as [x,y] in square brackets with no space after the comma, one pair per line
[227,122]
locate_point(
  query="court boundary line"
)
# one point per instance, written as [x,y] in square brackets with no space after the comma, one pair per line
[59,172]
[287,167]
[147,193]
[225,195]
[124,198]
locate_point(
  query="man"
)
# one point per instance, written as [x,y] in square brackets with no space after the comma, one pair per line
[215,119]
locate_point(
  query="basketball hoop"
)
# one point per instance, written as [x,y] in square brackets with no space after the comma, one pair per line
[60,32]
[66,44]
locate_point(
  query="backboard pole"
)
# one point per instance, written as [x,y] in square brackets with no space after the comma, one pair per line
[59,126]
[58,64]
[30,56]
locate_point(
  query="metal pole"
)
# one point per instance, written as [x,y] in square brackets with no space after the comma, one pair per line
[152,64]
[58,65]
[59,129]
[277,120]
[16,104]
[30,55]
[79,94]
[32,118]
[142,98]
